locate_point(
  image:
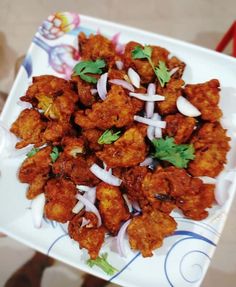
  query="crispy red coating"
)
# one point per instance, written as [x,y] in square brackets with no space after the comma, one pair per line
[171,92]
[77,169]
[60,199]
[179,127]
[37,186]
[55,131]
[90,238]
[142,66]
[146,232]
[29,127]
[205,97]
[166,188]
[111,206]
[129,150]
[116,110]
[73,146]
[173,63]
[97,47]
[194,205]
[91,137]
[211,146]
[40,163]
[47,85]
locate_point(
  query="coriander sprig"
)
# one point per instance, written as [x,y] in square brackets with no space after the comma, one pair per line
[146,53]
[108,137]
[101,262]
[177,154]
[84,68]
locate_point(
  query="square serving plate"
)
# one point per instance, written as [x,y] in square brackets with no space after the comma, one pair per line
[185,256]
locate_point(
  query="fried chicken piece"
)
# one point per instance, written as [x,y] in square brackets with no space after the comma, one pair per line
[179,127]
[97,47]
[111,206]
[147,231]
[92,136]
[142,66]
[48,85]
[167,187]
[173,63]
[29,126]
[129,150]
[132,182]
[194,205]
[116,74]
[73,146]
[84,91]
[116,110]
[90,238]
[77,169]
[60,195]
[171,92]
[37,186]
[38,164]
[211,146]
[55,131]
[205,97]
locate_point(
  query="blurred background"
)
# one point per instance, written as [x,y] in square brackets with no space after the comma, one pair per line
[201,22]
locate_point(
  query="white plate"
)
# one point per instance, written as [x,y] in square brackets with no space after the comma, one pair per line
[185,256]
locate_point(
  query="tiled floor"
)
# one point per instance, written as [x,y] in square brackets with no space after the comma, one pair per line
[201,22]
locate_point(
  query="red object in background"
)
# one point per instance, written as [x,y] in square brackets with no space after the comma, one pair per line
[229,35]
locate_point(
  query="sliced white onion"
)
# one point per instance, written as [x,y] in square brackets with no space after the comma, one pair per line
[173,71]
[149,108]
[78,207]
[90,207]
[151,133]
[208,180]
[136,206]
[91,195]
[83,187]
[93,91]
[105,176]
[186,108]
[129,205]
[119,65]
[134,77]
[102,86]
[105,167]
[24,105]
[150,122]
[122,83]
[147,98]
[223,183]
[37,209]
[148,161]
[158,133]
[121,238]
[84,222]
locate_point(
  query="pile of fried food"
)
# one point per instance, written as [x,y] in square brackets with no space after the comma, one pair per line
[72,129]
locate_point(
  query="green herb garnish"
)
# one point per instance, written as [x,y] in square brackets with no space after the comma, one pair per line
[161,71]
[54,154]
[89,67]
[177,154]
[101,262]
[108,137]
[33,151]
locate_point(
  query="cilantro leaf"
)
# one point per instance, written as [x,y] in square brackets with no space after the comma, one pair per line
[54,154]
[142,53]
[102,263]
[162,73]
[108,137]
[178,155]
[32,152]
[89,67]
